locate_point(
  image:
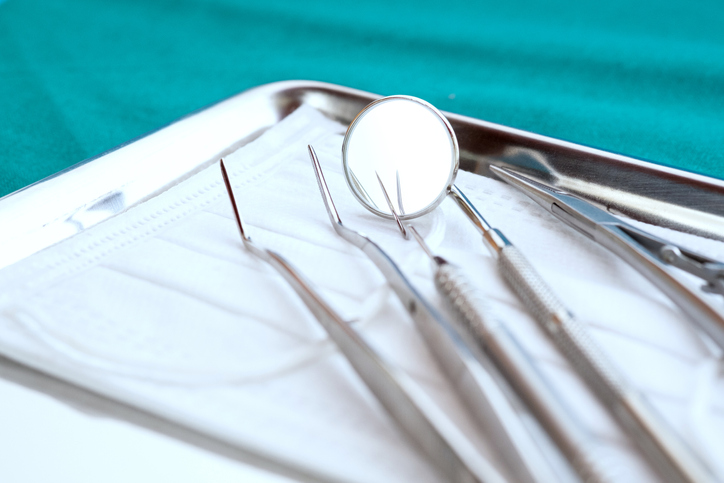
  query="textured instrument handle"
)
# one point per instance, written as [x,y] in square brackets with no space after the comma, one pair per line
[493,338]
[673,458]
[567,333]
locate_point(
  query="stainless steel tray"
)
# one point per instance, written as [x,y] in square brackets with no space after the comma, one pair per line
[62,205]
[96,189]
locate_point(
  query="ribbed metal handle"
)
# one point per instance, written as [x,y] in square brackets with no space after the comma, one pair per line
[674,459]
[568,334]
[465,300]
[479,326]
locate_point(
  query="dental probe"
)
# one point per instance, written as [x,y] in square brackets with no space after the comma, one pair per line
[668,455]
[484,391]
[481,329]
[419,418]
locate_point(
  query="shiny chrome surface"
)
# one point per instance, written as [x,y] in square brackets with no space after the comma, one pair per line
[470,374]
[638,189]
[427,157]
[670,455]
[421,420]
[488,335]
[404,137]
[666,452]
[650,255]
[493,238]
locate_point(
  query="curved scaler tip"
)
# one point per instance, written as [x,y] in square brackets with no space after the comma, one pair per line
[392,208]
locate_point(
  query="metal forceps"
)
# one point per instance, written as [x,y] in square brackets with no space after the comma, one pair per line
[650,255]
[484,330]
[421,420]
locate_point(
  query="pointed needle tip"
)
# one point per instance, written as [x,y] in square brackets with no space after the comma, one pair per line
[392,208]
[232,199]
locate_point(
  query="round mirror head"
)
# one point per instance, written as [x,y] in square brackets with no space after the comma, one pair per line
[411,147]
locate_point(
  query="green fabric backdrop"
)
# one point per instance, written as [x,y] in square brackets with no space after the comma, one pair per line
[78,77]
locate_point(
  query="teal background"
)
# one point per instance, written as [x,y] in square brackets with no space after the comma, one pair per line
[646,78]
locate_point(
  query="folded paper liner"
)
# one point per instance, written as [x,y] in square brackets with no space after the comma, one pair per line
[161,307]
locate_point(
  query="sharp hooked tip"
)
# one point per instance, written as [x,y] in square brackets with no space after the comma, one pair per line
[313,157]
[392,208]
[323,189]
[234,207]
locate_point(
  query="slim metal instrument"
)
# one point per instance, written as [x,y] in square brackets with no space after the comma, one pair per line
[420,419]
[479,384]
[410,138]
[483,330]
[652,256]
[669,455]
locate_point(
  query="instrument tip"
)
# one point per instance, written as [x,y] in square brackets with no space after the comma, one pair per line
[392,208]
[230,192]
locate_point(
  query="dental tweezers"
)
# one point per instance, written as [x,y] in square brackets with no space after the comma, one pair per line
[673,459]
[483,330]
[652,256]
[420,419]
[484,391]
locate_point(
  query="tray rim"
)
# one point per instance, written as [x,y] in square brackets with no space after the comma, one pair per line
[38,215]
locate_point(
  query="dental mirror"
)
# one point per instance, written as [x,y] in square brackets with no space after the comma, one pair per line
[407,143]
[400,158]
